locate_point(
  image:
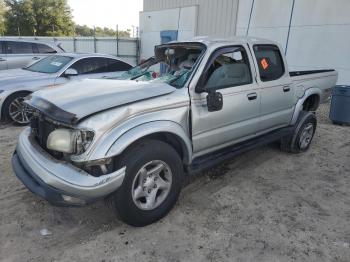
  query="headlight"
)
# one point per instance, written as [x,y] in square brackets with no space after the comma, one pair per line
[69,141]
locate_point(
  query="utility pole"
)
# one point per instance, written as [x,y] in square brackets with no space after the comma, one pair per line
[250,17]
[117,40]
[289,27]
[95,47]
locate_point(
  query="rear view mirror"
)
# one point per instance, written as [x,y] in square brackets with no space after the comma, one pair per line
[70,72]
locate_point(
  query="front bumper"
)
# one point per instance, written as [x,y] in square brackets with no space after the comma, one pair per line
[59,182]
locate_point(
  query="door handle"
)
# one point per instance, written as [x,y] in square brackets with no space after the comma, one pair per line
[286,88]
[36,58]
[2,60]
[252,96]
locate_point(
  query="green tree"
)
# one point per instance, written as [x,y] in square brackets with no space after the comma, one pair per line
[2,17]
[88,31]
[19,18]
[83,30]
[53,18]
[39,17]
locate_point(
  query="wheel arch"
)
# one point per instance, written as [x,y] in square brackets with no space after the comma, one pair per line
[167,131]
[9,97]
[310,100]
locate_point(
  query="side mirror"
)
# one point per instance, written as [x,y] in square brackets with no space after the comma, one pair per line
[214,101]
[70,72]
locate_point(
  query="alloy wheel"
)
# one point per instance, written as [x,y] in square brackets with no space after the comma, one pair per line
[151,185]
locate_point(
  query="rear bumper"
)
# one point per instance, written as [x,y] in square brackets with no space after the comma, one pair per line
[59,182]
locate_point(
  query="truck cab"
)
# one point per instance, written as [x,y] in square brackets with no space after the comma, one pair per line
[194,104]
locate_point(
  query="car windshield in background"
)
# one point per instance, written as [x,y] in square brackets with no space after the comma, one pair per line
[173,66]
[50,65]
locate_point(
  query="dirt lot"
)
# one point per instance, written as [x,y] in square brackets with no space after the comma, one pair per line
[262,206]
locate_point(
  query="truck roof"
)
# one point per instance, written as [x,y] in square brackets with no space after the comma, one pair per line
[210,41]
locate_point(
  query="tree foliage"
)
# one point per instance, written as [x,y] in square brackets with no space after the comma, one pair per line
[38,17]
[2,17]
[45,18]
[88,31]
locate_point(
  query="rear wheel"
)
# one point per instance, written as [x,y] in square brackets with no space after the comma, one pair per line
[152,183]
[304,132]
[16,111]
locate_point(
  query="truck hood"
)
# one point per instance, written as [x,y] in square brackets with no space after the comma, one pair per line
[76,100]
[17,77]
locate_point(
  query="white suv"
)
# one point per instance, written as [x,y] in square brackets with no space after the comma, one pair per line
[16,53]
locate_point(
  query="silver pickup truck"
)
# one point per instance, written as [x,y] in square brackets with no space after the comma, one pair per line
[192,105]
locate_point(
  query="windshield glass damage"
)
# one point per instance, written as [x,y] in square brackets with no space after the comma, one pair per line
[172,64]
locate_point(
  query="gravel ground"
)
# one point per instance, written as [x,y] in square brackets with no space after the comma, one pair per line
[264,205]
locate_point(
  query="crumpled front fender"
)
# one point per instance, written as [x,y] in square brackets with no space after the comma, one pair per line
[146,129]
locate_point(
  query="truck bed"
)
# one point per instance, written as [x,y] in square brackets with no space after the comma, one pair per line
[323,79]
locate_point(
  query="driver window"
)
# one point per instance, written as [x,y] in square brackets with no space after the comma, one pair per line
[89,65]
[228,69]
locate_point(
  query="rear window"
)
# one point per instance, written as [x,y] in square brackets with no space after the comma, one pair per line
[44,49]
[270,62]
[19,48]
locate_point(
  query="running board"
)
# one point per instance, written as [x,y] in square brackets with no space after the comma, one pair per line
[212,159]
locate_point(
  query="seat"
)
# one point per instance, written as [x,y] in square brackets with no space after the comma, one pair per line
[229,75]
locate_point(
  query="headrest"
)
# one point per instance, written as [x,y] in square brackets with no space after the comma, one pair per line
[192,57]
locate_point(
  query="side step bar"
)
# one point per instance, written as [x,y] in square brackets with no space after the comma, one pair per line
[212,159]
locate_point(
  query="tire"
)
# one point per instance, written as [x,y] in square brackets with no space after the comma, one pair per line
[304,132]
[13,101]
[148,155]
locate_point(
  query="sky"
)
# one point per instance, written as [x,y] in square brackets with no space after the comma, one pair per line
[106,13]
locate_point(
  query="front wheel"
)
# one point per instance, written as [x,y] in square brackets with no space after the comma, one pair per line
[152,183]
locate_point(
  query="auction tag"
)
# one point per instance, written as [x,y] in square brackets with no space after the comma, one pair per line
[264,63]
[56,63]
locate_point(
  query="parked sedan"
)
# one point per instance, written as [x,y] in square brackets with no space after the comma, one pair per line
[18,53]
[51,71]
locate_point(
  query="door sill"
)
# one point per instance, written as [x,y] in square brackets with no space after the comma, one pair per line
[214,158]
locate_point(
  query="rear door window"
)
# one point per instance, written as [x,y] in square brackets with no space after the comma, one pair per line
[45,49]
[19,48]
[116,65]
[270,62]
[91,65]
[1,52]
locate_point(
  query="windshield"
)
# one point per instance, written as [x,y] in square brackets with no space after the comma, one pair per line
[171,65]
[50,64]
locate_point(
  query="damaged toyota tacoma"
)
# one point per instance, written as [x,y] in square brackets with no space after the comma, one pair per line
[194,104]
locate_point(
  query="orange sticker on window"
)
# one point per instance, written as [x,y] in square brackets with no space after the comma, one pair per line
[264,63]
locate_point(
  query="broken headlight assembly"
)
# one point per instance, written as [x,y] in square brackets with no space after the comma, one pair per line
[69,141]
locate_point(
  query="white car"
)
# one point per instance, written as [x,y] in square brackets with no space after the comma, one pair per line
[55,70]
[18,53]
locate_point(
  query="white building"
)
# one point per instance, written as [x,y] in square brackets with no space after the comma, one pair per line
[317,31]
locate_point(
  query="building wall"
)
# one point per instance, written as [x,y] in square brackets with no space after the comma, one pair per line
[215,17]
[319,34]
